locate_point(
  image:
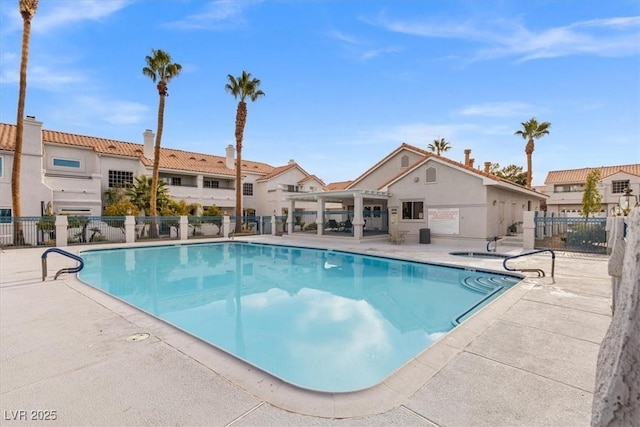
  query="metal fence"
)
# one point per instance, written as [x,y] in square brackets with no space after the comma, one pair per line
[82,230]
[571,233]
[157,228]
[35,231]
[204,226]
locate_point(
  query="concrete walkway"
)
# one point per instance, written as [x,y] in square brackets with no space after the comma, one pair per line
[528,359]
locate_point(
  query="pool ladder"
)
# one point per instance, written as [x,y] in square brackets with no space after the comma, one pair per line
[533,270]
[64,270]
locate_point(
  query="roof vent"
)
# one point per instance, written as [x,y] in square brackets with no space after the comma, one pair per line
[112,147]
[192,158]
[173,155]
[203,160]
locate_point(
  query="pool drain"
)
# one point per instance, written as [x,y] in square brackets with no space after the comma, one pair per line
[138,337]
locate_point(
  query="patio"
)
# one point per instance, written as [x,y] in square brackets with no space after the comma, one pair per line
[526,360]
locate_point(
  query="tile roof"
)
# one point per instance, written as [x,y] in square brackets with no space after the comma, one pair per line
[337,185]
[428,155]
[169,158]
[574,176]
[311,178]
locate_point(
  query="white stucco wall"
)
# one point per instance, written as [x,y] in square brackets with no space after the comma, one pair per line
[383,173]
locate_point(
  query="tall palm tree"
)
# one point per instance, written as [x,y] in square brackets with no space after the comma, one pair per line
[159,67]
[27,10]
[439,146]
[242,87]
[532,130]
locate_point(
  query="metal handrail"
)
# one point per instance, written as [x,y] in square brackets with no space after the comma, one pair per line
[495,240]
[535,270]
[64,270]
[456,320]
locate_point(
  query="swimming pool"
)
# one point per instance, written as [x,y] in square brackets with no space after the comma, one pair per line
[319,319]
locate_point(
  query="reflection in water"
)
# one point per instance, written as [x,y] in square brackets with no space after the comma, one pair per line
[320,319]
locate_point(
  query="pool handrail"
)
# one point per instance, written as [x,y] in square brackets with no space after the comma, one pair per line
[64,270]
[535,270]
[494,240]
[456,320]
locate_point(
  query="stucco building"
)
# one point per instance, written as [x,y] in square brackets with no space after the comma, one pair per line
[565,188]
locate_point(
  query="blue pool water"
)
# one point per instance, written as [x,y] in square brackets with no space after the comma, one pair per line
[322,320]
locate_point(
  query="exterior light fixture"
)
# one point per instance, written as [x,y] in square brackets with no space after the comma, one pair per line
[627,201]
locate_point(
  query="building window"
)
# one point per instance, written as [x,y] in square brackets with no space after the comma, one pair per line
[207,183]
[247,189]
[177,181]
[120,179]
[5,215]
[568,188]
[618,187]
[431,175]
[1,166]
[66,163]
[404,162]
[412,210]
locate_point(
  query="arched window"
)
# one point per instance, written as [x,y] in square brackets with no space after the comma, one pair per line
[431,175]
[404,161]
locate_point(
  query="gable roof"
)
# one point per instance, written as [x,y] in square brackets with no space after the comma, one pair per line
[169,158]
[369,171]
[429,155]
[574,176]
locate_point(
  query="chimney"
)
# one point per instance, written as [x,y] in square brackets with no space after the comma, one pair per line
[467,153]
[487,167]
[230,152]
[471,162]
[32,137]
[292,162]
[148,143]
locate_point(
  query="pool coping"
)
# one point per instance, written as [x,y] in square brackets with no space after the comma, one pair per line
[392,392]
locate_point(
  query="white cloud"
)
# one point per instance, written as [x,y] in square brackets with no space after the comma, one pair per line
[612,37]
[498,109]
[63,14]
[216,15]
[370,54]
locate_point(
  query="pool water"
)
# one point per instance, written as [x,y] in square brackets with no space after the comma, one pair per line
[319,319]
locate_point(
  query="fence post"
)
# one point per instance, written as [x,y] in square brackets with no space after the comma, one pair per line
[226,225]
[184,228]
[129,229]
[528,229]
[61,230]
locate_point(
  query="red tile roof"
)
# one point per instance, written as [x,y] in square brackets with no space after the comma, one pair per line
[169,158]
[575,176]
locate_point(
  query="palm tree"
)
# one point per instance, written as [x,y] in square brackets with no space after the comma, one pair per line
[27,10]
[159,67]
[241,87]
[532,130]
[439,146]
[140,194]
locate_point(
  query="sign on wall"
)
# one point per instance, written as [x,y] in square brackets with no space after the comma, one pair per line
[444,221]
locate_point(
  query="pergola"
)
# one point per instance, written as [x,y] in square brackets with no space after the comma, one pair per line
[358,197]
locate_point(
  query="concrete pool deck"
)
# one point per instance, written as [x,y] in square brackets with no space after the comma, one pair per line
[527,359]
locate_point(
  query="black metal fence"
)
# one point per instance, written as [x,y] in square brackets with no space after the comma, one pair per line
[204,226]
[571,233]
[82,230]
[157,228]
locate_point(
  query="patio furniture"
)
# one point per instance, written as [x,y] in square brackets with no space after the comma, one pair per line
[346,226]
[332,224]
[397,236]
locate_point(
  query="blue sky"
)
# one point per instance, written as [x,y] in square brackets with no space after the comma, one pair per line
[346,82]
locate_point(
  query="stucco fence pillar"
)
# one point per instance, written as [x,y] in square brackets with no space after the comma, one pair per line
[528,229]
[616,398]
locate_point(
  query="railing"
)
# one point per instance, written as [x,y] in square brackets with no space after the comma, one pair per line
[64,270]
[204,226]
[82,230]
[493,240]
[534,270]
[159,227]
[456,320]
[34,231]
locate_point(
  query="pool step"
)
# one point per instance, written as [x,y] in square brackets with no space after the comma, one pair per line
[486,284]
